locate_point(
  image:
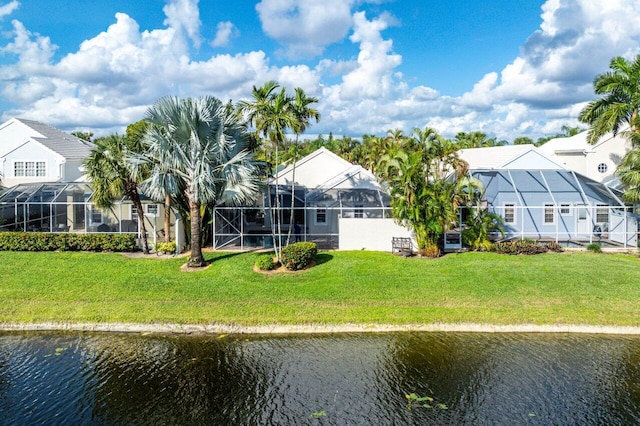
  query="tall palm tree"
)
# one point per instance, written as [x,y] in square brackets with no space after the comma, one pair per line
[111,178]
[629,174]
[303,113]
[206,149]
[270,114]
[620,90]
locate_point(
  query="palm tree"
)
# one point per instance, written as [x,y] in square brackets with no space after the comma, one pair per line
[270,114]
[111,178]
[620,90]
[629,174]
[206,149]
[302,114]
[422,194]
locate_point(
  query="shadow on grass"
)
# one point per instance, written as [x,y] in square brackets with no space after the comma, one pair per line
[323,258]
[212,258]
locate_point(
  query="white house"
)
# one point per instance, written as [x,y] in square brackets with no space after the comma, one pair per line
[598,161]
[337,205]
[32,152]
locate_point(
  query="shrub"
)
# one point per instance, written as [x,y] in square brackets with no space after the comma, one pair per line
[520,247]
[554,247]
[42,241]
[594,247]
[265,262]
[299,255]
[164,248]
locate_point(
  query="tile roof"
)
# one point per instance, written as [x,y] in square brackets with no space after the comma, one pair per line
[68,146]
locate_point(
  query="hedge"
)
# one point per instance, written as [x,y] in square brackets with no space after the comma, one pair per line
[44,241]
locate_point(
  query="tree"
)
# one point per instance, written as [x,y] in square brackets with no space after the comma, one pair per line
[523,140]
[302,113]
[206,149]
[423,196]
[620,90]
[269,112]
[629,174]
[111,178]
[475,140]
[86,136]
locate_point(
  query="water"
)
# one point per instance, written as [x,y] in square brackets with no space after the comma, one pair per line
[116,379]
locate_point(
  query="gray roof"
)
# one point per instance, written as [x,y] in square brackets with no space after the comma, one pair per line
[68,146]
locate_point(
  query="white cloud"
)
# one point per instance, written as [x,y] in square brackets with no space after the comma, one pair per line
[305,27]
[7,9]
[225,31]
[184,15]
[110,80]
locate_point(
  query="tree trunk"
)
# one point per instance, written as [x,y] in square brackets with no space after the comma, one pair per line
[196,260]
[167,218]
[135,198]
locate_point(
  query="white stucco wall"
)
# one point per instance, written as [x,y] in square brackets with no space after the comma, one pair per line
[31,151]
[370,234]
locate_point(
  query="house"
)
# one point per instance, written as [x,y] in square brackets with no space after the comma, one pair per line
[541,199]
[32,152]
[598,162]
[336,204]
[42,168]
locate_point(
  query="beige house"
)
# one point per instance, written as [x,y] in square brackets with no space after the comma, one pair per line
[598,162]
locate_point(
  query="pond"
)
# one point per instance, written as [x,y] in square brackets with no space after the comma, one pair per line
[343,379]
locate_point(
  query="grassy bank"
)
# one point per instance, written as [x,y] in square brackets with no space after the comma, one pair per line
[345,287]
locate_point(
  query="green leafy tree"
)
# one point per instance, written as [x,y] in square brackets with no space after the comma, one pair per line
[207,150]
[423,195]
[112,178]
[620,98]
[85,136]
[475,140]
[522,140]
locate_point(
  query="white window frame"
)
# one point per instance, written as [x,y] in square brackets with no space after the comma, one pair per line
[599,209]
[319,209]
[565,209]
[549,207]
[30,169]
[147,208]
[93,210]
[506,207]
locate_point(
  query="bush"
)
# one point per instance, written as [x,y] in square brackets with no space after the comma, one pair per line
[165,248]
[594,247]
[299,255]
[520,247]
[265,262]
[554,247]
[43,241]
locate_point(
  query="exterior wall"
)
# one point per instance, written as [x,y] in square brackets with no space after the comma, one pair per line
[370,234]
[71,171]
[13,134]
[31,151]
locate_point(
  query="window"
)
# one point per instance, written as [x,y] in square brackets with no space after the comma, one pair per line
[602,168]
[134,213]
[549,214]
[358,212]
[18,168]
[96,216]
[565,209]
[152,209]
[602,213]
[509,213]
[321,216]
[29,169]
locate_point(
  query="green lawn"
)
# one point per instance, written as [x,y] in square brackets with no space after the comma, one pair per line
[345,287]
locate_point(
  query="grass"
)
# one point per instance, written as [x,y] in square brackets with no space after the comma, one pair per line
[345,287]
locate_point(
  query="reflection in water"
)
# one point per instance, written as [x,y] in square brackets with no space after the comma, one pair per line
[90,378]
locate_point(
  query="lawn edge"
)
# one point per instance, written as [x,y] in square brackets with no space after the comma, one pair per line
[318,328]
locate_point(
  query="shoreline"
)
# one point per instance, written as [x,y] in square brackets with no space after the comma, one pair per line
[283,329]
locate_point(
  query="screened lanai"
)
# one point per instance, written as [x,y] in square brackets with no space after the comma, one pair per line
[558,205]
[316,217]
[68,207]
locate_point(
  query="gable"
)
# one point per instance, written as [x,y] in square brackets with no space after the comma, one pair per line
[13,133]
[531,160]
[314,170]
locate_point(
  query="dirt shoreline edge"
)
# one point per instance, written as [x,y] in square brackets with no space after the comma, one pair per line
[317,328]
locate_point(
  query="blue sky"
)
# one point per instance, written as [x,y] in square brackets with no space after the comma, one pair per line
[508,68]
